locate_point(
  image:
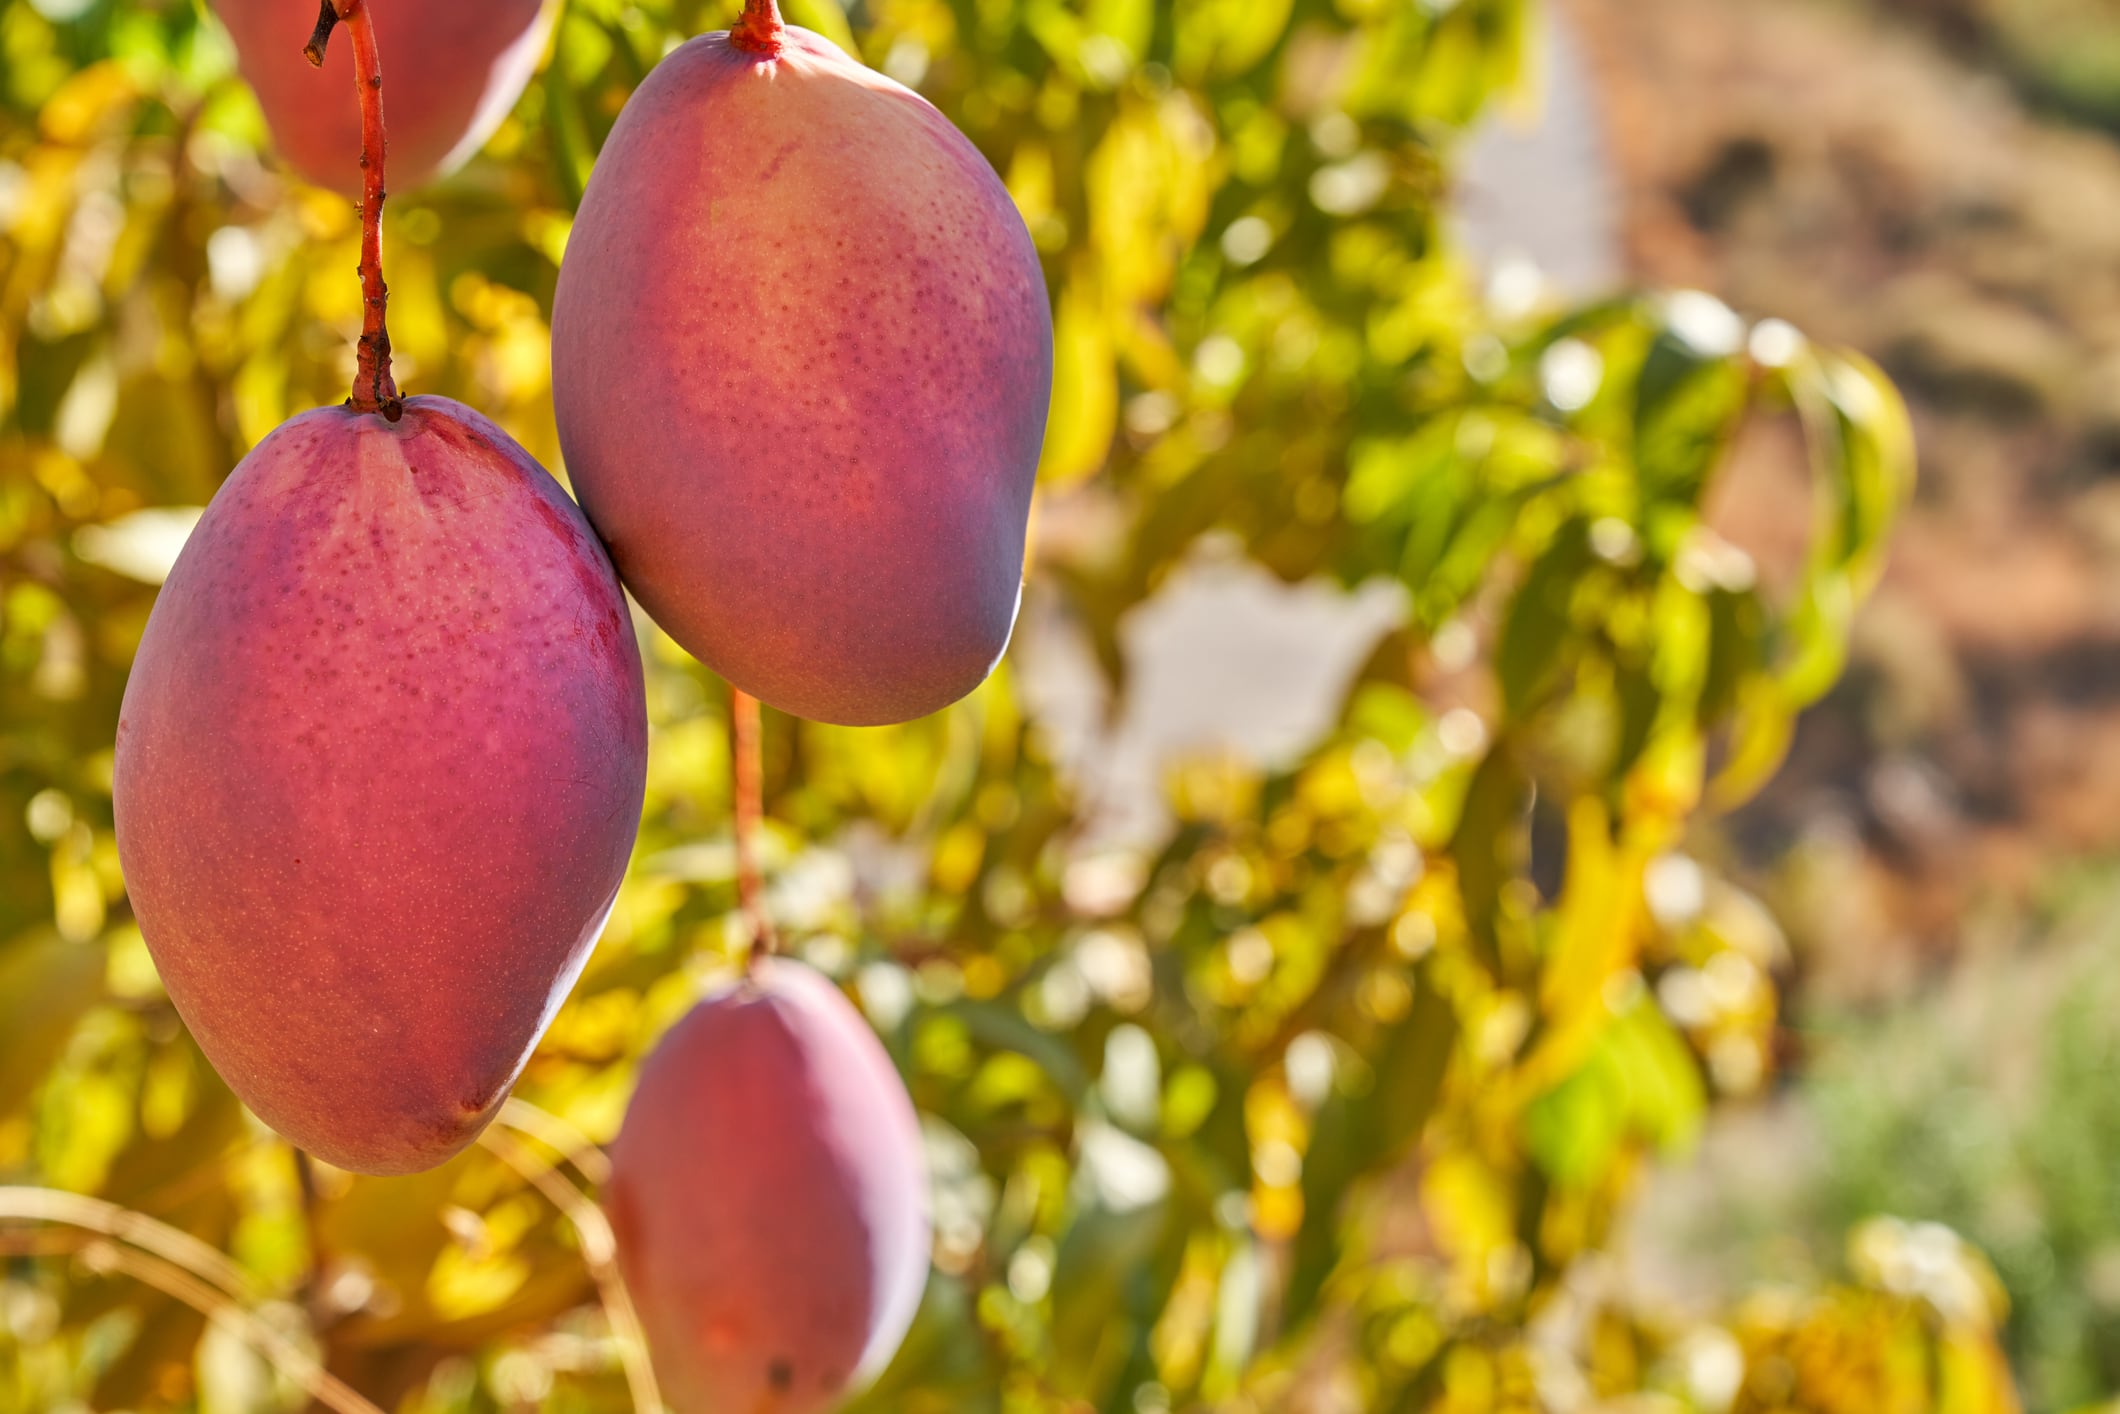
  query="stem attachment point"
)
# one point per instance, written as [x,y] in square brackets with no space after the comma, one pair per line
[759,30]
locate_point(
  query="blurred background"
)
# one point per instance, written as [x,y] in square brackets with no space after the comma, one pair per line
[1518,861]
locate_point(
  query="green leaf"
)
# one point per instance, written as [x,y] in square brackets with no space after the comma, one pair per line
[1638,1083]
[1005,1027]
[1491,845]
[1111,1278]
[46,985]
[1356,1135]
[567,129]
[1531,655]
[1686,407]
[1737,643]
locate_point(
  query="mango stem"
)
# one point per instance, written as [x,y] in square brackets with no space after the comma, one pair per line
[374,390]
[759,31]
[747,785]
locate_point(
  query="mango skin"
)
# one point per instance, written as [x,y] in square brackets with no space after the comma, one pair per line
[769,1196]
[451,71]
[379,768]
[802,357]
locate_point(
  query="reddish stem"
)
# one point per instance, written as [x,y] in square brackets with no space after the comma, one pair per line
[747,784]
[374,390]
[759,31]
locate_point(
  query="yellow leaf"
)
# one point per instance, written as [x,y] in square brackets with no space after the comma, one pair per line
[1085,411]
[85,102]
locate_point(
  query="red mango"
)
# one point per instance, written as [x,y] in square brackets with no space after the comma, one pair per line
[379,768]
[802,357]
[453,69]
[769,1197]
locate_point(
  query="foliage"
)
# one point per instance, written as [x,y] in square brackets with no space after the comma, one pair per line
[1986,1104]
[1327,1100]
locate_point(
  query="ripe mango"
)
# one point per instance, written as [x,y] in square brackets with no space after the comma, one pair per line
[802,356]
[452,71]
[769,1197]
[379,768]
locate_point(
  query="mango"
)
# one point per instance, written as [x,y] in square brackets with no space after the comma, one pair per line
[802,356]
[379,768]
[454,68]
[769,1198]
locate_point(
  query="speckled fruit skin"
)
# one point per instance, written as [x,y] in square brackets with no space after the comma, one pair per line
[451,71]
[801,362]
[379,768]
[769,1196]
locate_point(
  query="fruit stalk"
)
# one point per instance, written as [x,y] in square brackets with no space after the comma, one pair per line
[747,783]
[311,1290]
[374,390]
[758,30]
